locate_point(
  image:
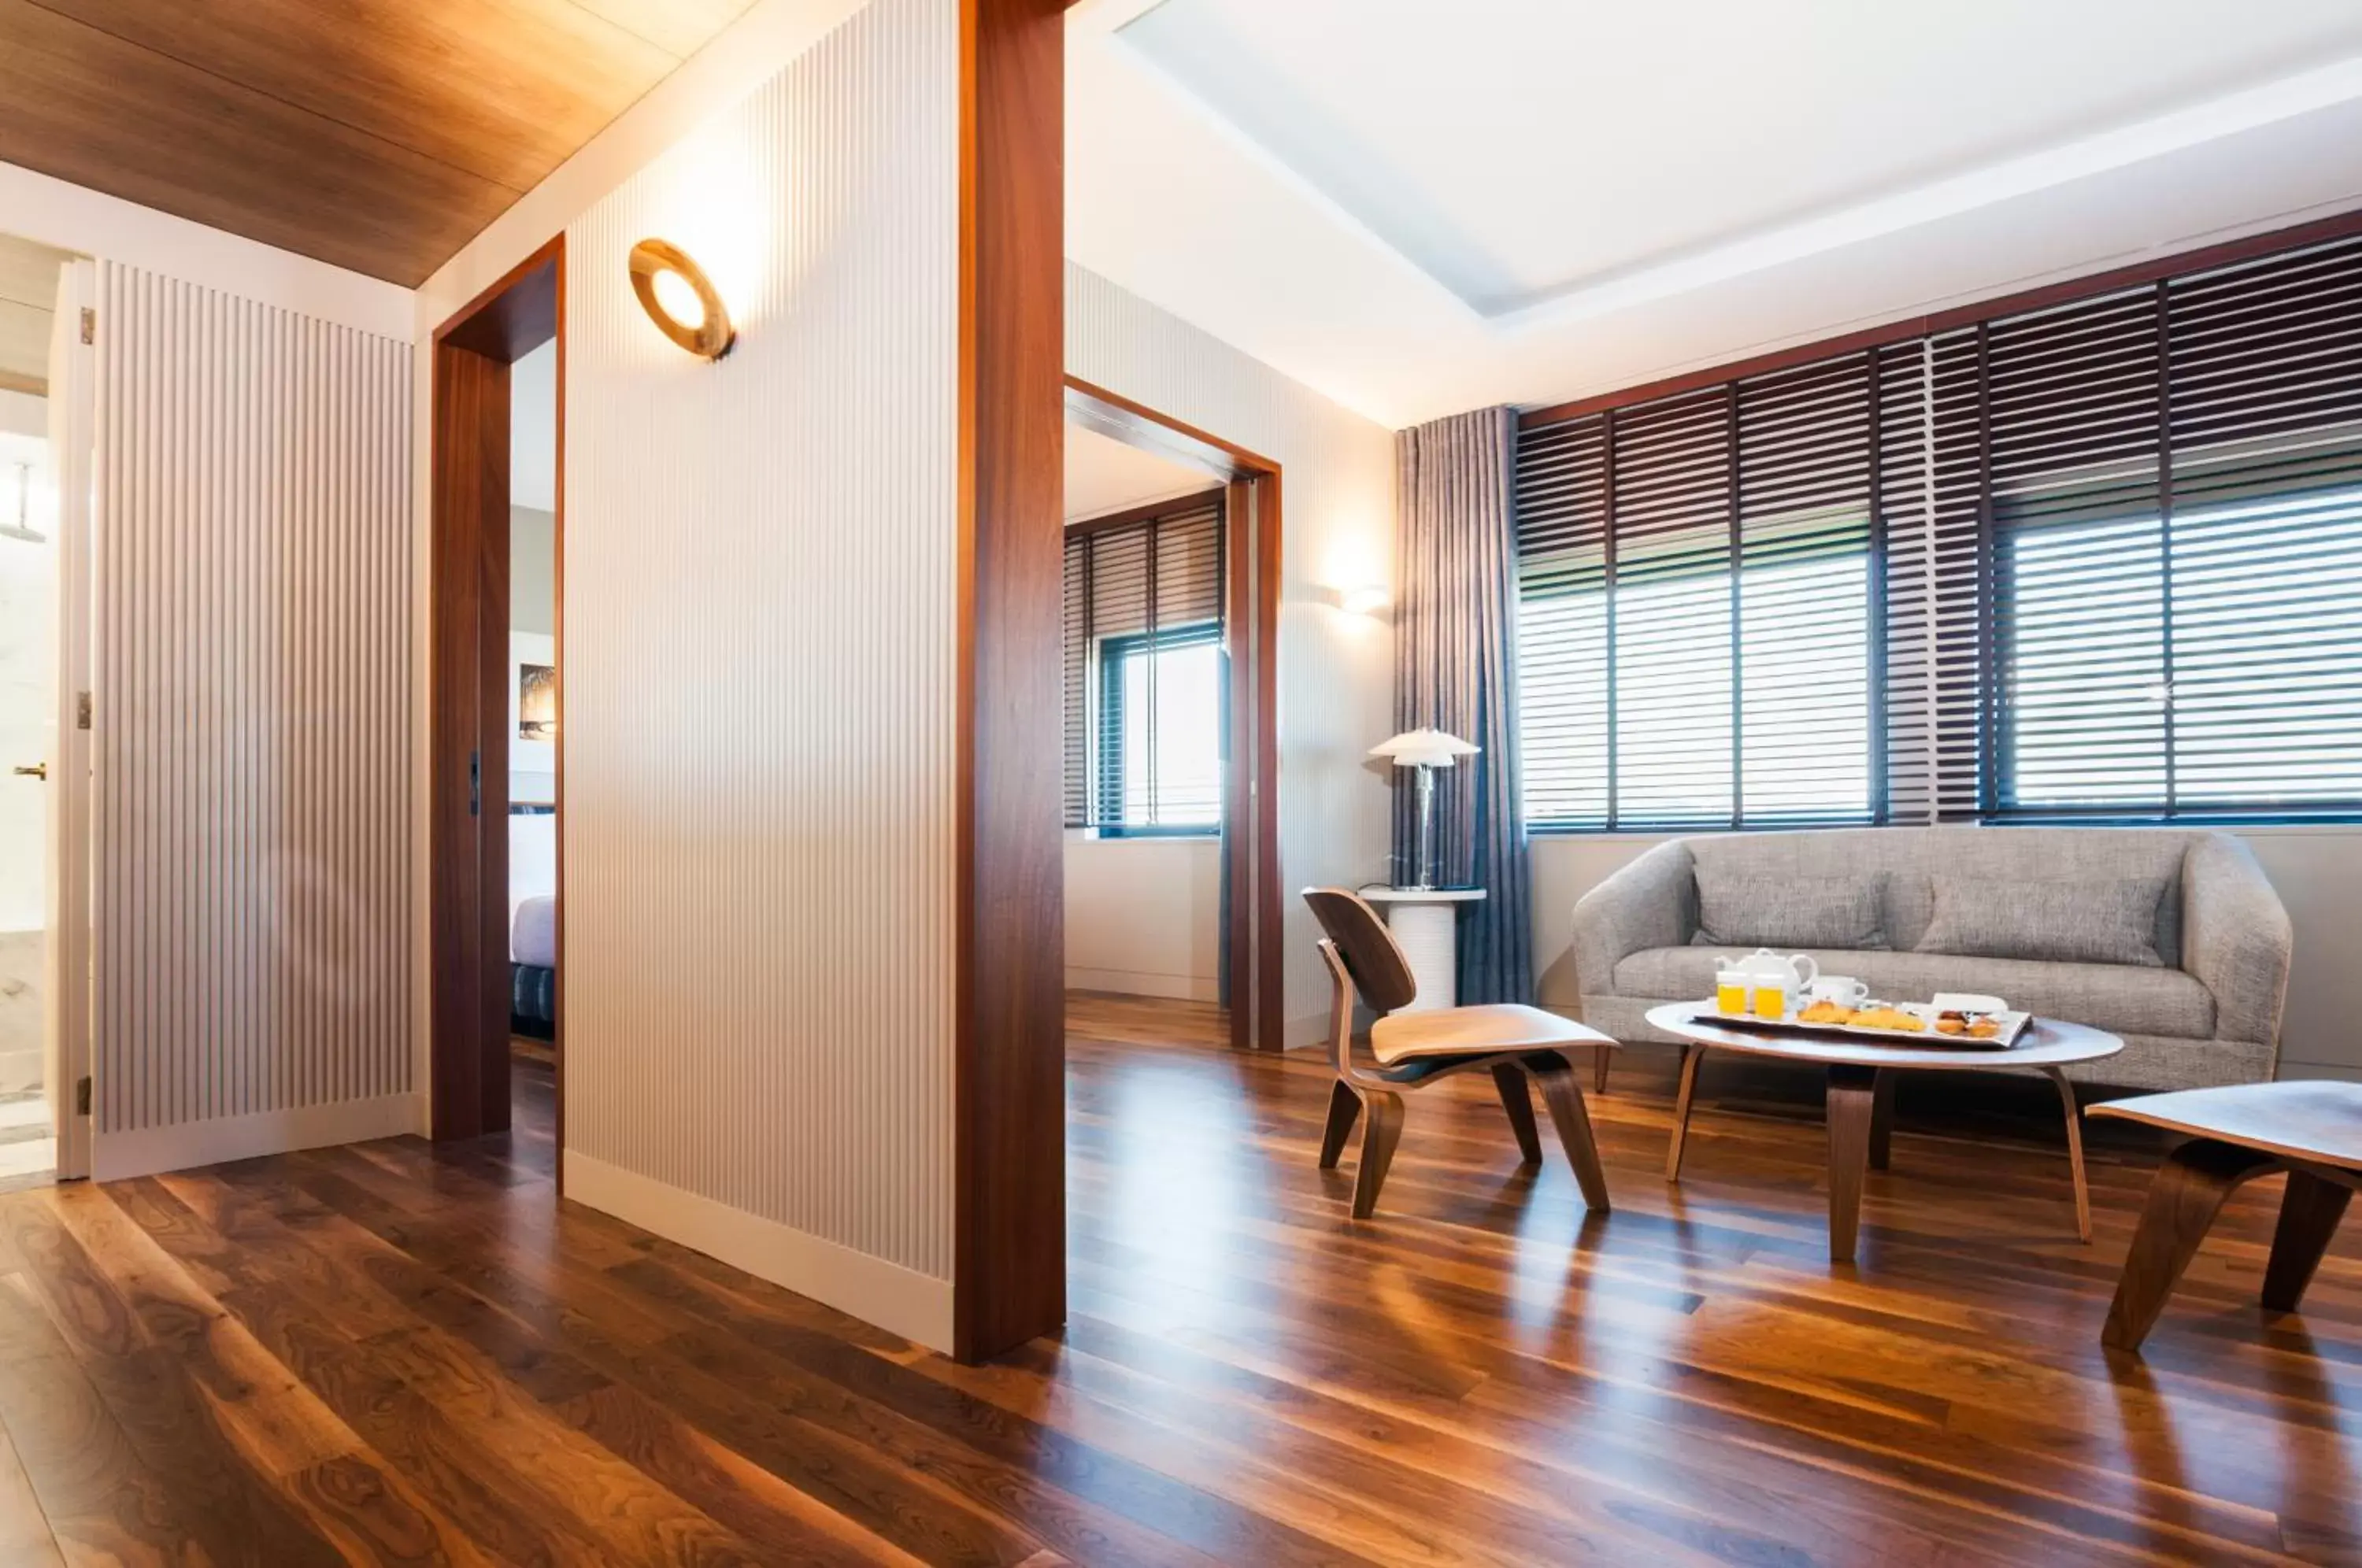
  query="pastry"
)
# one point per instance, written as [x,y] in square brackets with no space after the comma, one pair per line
[1885,1016]
[1827,1013]
[1984,1029]
[1951,1024]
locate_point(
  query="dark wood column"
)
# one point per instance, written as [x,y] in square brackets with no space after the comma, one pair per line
[1009,1256]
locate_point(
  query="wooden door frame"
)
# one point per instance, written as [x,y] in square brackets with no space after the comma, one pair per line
[468,1051]
[1251,577]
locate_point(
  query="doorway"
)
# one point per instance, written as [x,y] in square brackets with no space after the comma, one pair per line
[1172,614]
[45,402]
[495,739]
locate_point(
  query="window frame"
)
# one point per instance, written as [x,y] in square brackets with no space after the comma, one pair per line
[1106,788]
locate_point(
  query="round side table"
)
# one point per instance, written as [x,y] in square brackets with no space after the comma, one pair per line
[1426,922]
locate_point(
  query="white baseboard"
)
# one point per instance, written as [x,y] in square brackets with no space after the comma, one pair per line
[116,1156]
[1140,983]
[893,1298]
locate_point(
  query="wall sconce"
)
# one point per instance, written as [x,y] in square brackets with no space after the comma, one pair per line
[1370,598]
[680,299]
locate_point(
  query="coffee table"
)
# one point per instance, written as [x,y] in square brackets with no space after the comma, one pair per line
[1862,1078]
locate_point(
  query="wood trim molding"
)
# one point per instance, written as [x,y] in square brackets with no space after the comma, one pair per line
[2319,231]
[1009,1134]
[467,666]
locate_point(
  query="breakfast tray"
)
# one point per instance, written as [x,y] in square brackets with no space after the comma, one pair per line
[2012,1024]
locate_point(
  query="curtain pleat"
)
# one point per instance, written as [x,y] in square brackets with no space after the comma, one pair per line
[1456,670]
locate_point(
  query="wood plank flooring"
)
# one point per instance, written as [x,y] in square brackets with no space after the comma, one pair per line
[403,1353]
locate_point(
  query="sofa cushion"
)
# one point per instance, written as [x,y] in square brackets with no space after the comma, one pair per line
[2114,997]
[1911,858]
[1736,909]
[2091,921]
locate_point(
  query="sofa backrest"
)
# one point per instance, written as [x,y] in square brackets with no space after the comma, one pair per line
[1910,858]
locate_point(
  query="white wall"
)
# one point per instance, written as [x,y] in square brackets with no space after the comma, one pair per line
[759,579]
[1144,916]
[250,858]
[197,1021]
[1336,670]
[2317,871]
[27,712]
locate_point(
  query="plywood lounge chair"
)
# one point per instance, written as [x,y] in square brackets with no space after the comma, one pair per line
[1414,1049]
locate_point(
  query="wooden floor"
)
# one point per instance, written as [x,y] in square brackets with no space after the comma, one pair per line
[400,1353]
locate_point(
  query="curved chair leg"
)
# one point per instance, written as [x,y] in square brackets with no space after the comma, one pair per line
[2189,1192]
[1511,1083]
[2309,1212]
[1344,1106]
[1599,1055]
[1379,1135]
[1563,1095]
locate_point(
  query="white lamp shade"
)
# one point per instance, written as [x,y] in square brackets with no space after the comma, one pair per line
[1423,748]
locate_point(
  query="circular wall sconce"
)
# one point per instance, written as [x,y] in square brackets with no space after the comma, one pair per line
[680,299]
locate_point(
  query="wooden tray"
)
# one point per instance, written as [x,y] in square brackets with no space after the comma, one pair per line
[2013,1025]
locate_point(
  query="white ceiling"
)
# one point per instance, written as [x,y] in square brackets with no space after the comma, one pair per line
[1103,475]
[1419,209]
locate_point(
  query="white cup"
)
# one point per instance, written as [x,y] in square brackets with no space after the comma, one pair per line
[1841,989]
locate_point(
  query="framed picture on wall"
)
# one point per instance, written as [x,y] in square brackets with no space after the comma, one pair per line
[533,719]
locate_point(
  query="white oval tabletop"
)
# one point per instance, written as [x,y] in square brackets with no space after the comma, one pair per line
[1419,895]
[2046,1043]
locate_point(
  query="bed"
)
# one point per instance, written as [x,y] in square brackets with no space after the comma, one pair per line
[533,967]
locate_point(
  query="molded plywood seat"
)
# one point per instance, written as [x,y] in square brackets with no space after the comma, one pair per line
[2311,1130]
[1457,1030]
[1515,1043]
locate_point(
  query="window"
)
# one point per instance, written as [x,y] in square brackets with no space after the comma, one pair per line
[1146,671]
[1696,589]
[2102,559]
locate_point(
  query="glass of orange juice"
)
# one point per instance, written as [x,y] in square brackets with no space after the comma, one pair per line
[1731,991]
[1770,998]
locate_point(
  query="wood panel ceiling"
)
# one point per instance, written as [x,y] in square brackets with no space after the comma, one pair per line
[378,135]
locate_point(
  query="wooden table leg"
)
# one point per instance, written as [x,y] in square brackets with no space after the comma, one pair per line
[1599,1055]
[1510,1082]
[2189,1192]
[2074,1153]
[2309,1212]
[1881,1119]
[1691,1056]
[1852,1091]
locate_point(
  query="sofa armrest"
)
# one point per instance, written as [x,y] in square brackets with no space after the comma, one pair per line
[1645,905]
[2235,938]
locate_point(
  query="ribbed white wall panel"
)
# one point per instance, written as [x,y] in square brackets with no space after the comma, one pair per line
[760,567]
[251,852]
[1336,670]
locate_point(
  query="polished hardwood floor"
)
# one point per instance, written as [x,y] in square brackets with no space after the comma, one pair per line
[404,1354]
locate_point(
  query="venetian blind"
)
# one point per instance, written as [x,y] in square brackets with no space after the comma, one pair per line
[2098,560]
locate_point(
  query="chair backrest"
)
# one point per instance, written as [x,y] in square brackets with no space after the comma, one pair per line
[1371,956]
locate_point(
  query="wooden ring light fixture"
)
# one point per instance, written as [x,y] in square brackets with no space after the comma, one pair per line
[669,284]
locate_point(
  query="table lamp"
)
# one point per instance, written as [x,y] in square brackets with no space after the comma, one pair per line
[1426,750]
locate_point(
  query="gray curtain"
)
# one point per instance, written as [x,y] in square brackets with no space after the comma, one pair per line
[1456,669]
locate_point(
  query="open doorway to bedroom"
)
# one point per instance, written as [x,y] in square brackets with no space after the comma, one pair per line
[497,1047]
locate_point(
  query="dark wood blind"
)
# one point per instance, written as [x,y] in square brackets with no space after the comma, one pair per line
[2103,559]
[1143,613]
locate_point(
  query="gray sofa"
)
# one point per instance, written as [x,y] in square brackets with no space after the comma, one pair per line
[2202,1007]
